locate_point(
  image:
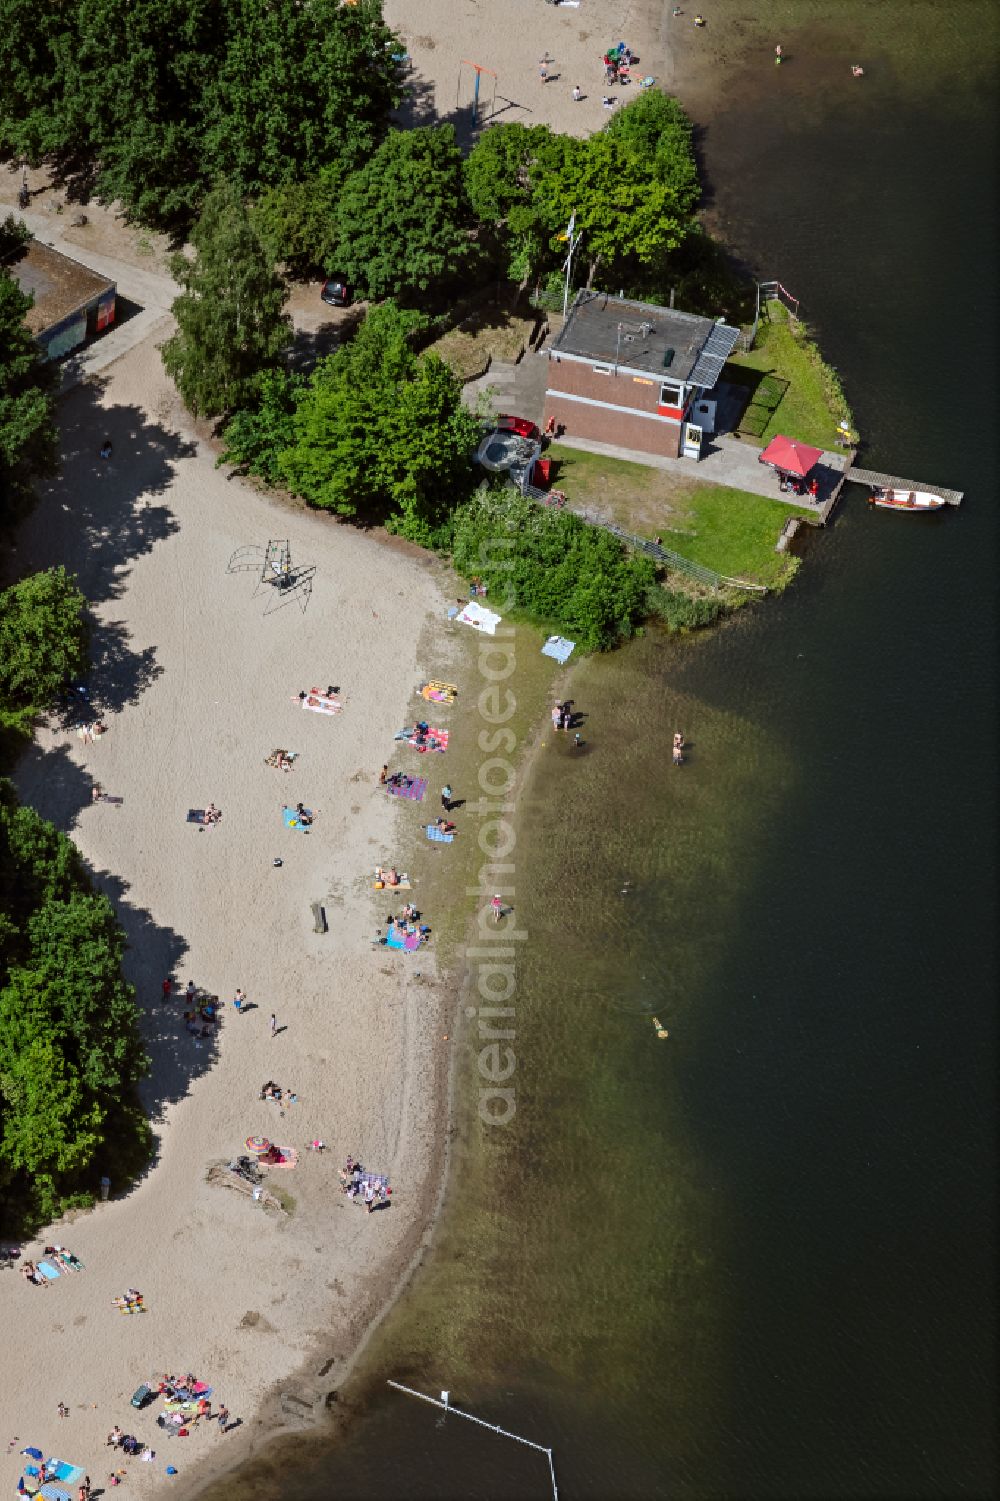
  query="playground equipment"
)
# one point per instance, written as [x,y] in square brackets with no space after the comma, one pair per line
[478,70]
[275,571]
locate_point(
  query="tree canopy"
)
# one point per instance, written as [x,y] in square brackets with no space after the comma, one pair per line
[402,227]
[230,321]
[376,431]
[27,395]
[43,642]
[502,175]
[70,1052]
[153,100]
[631,189]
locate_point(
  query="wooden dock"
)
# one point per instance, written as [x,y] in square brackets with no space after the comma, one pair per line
[893,482]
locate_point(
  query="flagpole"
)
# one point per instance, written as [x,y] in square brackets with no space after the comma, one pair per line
[573,243]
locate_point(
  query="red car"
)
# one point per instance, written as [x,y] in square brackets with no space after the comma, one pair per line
[519,425]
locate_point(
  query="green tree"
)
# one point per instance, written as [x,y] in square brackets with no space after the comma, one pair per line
[382,432]
[658,133]
[43,642]
[403,226]
[70,1049]
[303,89]
[552,567]
[231,324]
[256,437]
[297,222]
[622,209]
[502,175]
[30,98]
[154,100]
[27,401]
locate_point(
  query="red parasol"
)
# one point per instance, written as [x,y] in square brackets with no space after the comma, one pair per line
[790,457]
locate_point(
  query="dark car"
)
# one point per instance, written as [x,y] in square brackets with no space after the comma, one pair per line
[143,1395]
[520,425]
[336,291]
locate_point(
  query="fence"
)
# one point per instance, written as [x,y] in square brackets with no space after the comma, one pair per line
[768,291]
[657,551]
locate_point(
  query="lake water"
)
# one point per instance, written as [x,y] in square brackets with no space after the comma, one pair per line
[756,1259]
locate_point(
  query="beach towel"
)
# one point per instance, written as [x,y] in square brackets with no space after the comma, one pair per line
[403,885]
[48,1270]
[377,1180]
[321,703]
[479,618]
[290,1155]
[32,1453]
[196,815]
[558,648]
[434,740]
[53,1491]
[414,792]
[290,819]
[436,835]
[407,941]
[67,1473]
[439,693]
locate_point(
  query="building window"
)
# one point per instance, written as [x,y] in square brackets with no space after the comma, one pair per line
[671,395]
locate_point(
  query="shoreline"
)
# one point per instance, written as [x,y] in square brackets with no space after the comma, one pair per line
[357,1385]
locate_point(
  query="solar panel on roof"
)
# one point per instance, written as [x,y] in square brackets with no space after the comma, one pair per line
[716,350]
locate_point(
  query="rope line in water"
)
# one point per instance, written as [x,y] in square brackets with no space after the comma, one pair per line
[493,1427]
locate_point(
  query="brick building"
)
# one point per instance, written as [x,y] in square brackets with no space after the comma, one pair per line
[631,374]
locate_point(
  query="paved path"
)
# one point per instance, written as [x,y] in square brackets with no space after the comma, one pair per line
[726,461]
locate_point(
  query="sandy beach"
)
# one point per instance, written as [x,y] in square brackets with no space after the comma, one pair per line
[199,685]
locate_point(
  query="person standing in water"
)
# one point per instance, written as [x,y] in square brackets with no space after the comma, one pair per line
[678,749]
[777,55]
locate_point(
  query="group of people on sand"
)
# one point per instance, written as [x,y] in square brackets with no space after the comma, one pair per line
[352,1183]
[273,1091]
[211,815]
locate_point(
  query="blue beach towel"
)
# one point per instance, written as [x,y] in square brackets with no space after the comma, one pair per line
[558,648]
[436,835]
[290,819]
[48,1270]
[67,1473]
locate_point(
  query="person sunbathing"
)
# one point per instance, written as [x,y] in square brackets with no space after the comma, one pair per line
[303,816]
[390,877]
[212,814]
[445,825]
[30,1273]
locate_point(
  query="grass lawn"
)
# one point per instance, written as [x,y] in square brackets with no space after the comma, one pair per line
[726,530]
[812,403]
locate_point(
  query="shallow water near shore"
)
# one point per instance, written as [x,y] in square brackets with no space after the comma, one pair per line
[755,1259]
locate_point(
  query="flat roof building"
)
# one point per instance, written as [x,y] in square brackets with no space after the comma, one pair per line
[72,303]
[628,373]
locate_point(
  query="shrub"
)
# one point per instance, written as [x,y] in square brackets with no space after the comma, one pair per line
[550,567]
